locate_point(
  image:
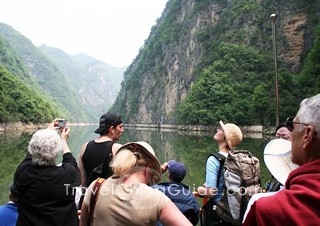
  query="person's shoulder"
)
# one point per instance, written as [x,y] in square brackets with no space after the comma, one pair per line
[116,145]
[261,195]
[269,200]
[257,196]
[8,206]
[83,148]
[159,186]
[150,190]
[212,160]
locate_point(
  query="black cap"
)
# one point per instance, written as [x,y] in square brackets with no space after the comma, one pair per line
[107,120]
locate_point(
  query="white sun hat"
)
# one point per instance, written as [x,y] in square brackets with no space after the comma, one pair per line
[277,157]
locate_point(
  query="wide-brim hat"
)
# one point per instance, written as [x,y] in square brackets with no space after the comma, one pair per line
[148,150]
[232,134]
[277,157]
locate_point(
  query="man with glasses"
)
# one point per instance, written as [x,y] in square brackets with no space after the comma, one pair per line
[299,202]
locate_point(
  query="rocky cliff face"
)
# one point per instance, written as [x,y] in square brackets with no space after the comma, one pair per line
[180,60]
[293,26]
[100,88]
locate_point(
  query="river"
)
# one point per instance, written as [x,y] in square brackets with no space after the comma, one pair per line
[191,148]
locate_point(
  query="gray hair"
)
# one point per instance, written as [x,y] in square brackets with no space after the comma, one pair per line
[44,147]
[309,111]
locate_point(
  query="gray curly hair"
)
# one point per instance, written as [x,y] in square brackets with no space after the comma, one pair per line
[309,111]
[44,147]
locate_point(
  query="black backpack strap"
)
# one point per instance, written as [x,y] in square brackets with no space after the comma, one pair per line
[221,158]
[207,212]
[106,159]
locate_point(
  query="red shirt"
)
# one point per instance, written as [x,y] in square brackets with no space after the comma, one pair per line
[299,204]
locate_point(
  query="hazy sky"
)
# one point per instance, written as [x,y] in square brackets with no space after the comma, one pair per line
[110,30]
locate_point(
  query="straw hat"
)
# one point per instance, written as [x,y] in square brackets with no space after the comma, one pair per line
[277,156]
[232,133]
[148,150]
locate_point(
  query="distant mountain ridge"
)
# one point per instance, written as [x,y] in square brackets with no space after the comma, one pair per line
[97,83]
[81,87]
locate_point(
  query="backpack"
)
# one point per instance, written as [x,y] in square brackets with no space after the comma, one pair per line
[241,171]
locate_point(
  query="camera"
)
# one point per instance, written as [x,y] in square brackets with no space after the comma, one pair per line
[62,123]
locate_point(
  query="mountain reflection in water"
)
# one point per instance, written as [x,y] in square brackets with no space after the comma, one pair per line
[190,147]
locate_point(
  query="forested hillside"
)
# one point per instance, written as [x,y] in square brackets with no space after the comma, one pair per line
[20,103]
[204,60]
[207,60]
[65,82]
[21,98]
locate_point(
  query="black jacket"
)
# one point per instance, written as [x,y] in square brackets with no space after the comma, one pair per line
[46,194]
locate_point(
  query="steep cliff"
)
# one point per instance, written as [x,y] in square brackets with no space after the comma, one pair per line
[185,43]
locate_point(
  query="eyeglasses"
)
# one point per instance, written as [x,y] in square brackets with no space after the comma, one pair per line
[290,124]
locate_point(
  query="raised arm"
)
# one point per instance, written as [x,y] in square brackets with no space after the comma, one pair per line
[81,167]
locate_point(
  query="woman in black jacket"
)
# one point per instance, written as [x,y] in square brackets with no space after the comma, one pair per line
[45,191]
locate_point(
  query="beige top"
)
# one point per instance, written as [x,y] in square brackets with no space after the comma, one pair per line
[126,204]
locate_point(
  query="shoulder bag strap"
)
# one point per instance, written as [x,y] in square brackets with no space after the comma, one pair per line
[94,197]
[104,161]
[106,158]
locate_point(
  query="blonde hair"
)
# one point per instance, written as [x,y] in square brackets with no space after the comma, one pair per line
[126,160]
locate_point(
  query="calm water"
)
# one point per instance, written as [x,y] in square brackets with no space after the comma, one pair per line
[191,149]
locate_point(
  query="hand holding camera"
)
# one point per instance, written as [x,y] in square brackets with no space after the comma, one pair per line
[59,124]
[62,124]
[63,129]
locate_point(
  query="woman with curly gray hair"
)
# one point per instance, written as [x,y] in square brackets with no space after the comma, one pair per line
[45,191]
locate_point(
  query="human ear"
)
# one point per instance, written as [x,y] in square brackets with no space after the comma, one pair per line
[309,136]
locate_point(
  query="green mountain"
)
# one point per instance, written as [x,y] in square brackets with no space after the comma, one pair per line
[204,60]
[68,83]
[207,60]
[97,83]
[22,99]
[19,102]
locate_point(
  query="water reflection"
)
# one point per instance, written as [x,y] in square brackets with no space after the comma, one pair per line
[12,151]
[191,148]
